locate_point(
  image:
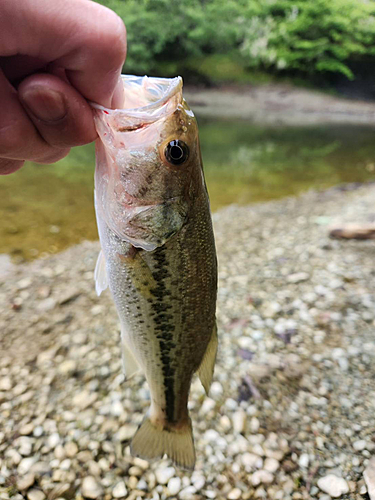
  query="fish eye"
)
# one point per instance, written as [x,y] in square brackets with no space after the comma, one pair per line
[176,152]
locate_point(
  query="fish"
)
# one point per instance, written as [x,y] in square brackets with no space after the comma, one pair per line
[158,254]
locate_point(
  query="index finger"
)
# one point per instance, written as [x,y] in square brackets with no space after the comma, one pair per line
[84,38]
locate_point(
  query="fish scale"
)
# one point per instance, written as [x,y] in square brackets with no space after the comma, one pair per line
[158,258]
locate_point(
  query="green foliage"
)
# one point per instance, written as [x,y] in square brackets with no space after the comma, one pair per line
[234,37]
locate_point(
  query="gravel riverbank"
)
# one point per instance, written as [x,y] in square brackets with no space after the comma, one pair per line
[291,410]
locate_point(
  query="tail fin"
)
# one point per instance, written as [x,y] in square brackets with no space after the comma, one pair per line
[151,442]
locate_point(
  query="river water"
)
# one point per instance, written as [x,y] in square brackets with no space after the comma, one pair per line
[45,209]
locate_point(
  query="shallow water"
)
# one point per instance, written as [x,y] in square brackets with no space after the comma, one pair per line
[45,209]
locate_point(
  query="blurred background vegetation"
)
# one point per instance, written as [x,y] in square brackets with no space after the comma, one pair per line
[324,42]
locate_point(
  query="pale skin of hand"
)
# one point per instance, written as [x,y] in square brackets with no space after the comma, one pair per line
[55,57]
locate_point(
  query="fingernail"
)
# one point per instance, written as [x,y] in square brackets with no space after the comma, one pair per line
[45,104]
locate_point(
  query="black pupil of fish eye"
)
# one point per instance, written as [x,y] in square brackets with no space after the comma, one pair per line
[176,152]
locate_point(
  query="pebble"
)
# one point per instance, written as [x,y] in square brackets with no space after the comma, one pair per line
[164,474]
[187,493]
[174,485]
[25,465]
[261,476]
[239,421]
[71,449]
[26,429]
[5,384]
[25,482]
[333,485]
[304,460]
[234,494]
[126,432]
[359,445]
[271,465]
[90,488]
[35,494]
[119,491]
[67,367]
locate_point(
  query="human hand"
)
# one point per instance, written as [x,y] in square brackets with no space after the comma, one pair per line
[54,56]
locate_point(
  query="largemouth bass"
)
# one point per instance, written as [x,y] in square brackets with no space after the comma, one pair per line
[158,254]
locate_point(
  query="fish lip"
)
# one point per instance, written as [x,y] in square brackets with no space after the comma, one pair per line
[168,88]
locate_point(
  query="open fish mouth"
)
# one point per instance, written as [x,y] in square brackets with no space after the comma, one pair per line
[146,100]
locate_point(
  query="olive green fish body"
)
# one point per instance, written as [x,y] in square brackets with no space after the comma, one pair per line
[162,272]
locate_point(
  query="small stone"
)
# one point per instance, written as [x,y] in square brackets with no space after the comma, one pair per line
[119,491]
[359,445]
[261,476]
[369,477]
[26,429]
[53,440]
[26,464]
[24,283]
[198,482]
[271,464]
[38,431]
[46,304]
[163,475]
[126,432]
[234,494]
[67,367]
[207,406]
[254,425]
[304,460]
[298,277]
[90,488]
[174,486]
[25,482]
[216,390]
[71,449]
[187,493]
[251,461]
[239,421]
[68,296]
[35,494]
[5,384]
[142,485]
[133,482]
[333,485]
[84,399]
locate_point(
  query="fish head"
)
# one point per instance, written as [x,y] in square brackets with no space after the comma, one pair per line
[148,162]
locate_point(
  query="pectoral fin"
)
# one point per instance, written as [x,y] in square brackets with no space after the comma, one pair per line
[206,369]
[129,363]
[100,274]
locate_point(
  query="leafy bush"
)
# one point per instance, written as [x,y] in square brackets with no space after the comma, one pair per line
[295,36]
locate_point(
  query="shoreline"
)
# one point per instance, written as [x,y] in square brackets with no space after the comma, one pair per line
[275,105]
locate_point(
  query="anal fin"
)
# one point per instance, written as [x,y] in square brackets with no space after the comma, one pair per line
[129,363]
[206,369]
